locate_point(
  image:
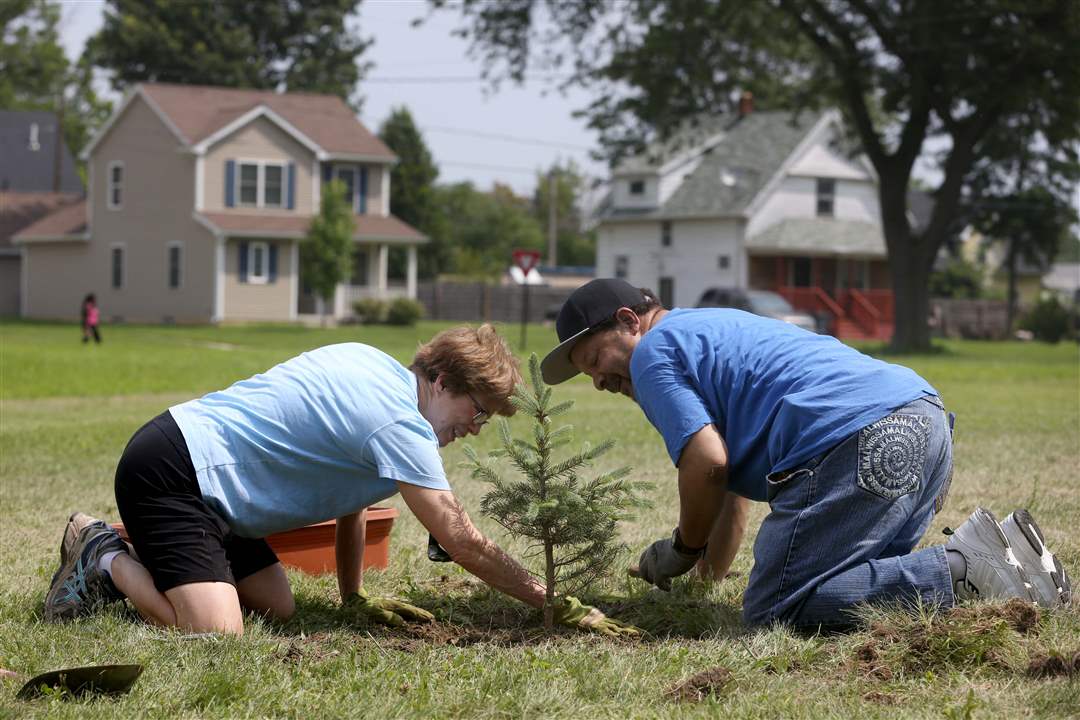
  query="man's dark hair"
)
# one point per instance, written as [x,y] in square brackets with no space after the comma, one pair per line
[642,308]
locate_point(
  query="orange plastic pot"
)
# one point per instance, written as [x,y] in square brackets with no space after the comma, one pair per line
[311,548]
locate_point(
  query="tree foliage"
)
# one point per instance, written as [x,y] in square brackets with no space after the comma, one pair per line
[569,520]
[35,74]
[270,44]
[574,245]
[412,183]
[906,76]
[326,256]
[484,228]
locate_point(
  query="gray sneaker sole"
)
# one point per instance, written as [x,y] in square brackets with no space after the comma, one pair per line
[1036,546]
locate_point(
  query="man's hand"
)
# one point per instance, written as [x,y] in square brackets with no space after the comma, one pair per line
[385,611]
[571,612]
[661,561]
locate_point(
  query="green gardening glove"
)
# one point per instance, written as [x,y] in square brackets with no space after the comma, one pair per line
[385,611]
[571,612]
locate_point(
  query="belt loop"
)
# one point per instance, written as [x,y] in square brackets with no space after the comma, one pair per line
[952,423]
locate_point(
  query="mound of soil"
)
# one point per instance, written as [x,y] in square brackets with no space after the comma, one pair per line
[711,682]
[1022,616]
[1051,666]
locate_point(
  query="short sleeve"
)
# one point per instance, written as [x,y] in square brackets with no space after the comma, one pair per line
[405,451]
[670,402]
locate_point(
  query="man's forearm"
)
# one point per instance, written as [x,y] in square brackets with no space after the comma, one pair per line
[701,498]
[727,535]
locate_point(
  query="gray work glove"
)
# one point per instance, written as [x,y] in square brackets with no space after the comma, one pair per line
[661,561]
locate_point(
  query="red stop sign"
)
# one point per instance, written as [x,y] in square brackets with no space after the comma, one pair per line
[526,259]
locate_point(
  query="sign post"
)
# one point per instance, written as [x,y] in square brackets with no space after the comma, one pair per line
[526,260]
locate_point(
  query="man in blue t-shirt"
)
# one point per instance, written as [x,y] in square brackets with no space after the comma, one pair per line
[321,436]
[853,455]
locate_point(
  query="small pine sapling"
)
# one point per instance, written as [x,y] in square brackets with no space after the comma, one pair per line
[570,521]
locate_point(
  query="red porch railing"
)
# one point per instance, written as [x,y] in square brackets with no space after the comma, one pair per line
[852,313]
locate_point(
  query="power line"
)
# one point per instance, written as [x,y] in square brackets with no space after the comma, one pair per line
[482,166]
[448,79]
[504,137]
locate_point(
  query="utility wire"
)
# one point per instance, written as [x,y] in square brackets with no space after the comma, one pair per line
[504,137]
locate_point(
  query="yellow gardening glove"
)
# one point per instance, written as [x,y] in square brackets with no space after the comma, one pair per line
[571,612]
[385,611]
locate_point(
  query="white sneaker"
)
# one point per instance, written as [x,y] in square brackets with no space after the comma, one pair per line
[992,569]
[1051,583]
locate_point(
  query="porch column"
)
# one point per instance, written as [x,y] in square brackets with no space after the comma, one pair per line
[384,265]
[410,281]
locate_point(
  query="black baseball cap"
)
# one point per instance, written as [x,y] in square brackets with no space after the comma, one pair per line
[590,305]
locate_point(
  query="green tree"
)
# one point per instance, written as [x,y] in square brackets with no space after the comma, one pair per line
[573,245]
[571,521]
[412,183]
[273,45]
[906,75]
[326,257]
[36,75]
[484,228]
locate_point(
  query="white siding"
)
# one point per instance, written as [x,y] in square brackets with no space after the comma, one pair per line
[622,198]
[692,260]
[796,197]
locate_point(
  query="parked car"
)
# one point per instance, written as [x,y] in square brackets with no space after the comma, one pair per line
[760,302]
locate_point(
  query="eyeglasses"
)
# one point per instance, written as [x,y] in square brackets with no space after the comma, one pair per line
[481,417]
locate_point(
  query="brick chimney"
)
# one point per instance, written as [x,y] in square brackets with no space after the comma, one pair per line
[746,103]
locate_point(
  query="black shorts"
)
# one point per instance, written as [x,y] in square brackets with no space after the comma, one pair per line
[177,536]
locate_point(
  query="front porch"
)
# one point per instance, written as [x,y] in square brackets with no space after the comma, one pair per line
[853,297]
[383,271]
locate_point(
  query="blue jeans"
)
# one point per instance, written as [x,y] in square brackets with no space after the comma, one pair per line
[842,526]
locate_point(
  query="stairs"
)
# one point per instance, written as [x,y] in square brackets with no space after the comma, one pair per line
[847,329]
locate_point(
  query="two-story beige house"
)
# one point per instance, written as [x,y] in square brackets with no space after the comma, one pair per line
[199,199]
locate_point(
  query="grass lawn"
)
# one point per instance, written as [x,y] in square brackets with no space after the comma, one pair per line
[66,411]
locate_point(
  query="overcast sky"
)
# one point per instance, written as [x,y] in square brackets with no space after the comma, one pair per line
[428,70]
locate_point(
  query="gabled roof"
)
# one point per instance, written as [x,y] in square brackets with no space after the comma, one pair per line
[28,154]
[67,222]
[741,155]
[368,227]
[200,113]
[820,236]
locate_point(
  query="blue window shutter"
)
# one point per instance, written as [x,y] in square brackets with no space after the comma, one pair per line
[272,263]
[327,172]
[363,191]
[292,186]
[243,262]
[230,177]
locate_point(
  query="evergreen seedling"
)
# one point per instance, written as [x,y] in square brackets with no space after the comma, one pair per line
[570,521]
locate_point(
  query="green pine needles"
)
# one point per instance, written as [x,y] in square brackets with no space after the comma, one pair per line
[570,520]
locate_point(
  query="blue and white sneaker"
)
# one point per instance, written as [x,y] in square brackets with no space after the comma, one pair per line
[993,571]
[79,587]
[1048,577]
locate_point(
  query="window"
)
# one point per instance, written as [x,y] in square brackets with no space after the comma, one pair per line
[667,292]
[249,184]
[622,266]
[637,187]
[117,258]
[348,177]
[801,275]
[723,262]
[826,194]
[261,184]
[360,268]
[272,185]
[115,196]
[174,264]
[665,233]
[258,263]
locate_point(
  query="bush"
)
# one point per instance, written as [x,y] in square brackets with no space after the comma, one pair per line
[404,311]
[1048,320]
[369,310]
[959,279]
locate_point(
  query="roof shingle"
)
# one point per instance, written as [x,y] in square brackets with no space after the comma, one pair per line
[26,216]
[198,111]
[296,226]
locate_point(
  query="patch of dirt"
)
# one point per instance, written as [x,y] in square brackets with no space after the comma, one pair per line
[712,682]
[1023,617]
[309,648]
[417,636]
[1050,666]
[869,663]
[881,698]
